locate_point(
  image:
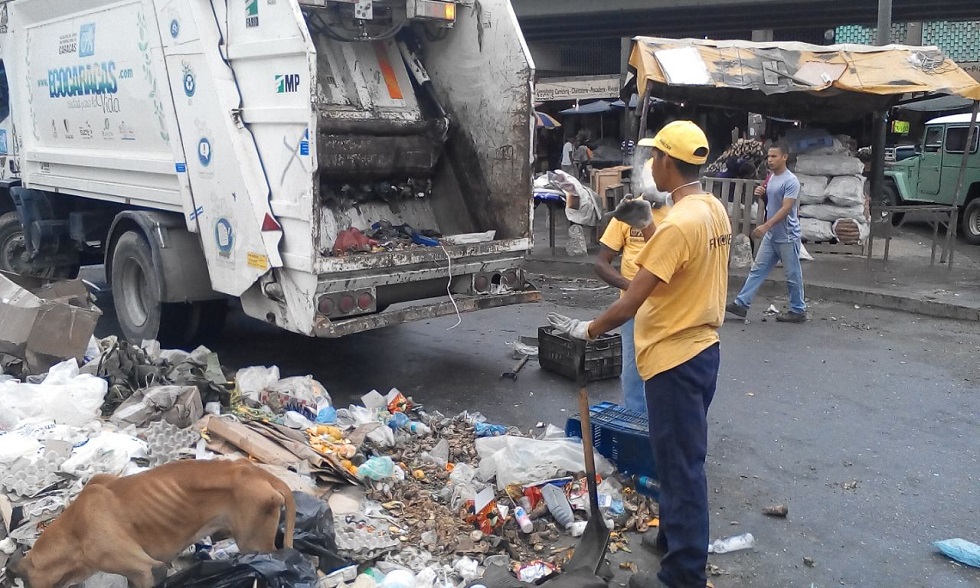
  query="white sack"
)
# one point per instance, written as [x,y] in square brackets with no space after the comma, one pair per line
[831,212]
[846,191]
[812,188]
[828,165]
[816,230]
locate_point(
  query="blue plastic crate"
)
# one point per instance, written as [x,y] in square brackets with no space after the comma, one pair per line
[621,435]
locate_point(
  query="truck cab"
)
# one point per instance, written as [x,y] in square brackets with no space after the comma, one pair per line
[930,176]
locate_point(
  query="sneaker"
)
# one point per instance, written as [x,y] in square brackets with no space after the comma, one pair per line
[652,541]
[791,317]
[645,580]
[737,309]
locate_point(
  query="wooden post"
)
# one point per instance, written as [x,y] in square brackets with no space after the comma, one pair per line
[644,107]
[954,214]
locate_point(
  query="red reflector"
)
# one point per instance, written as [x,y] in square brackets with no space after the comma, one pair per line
[270,224]
[325,306]
[347,304]
[364,300]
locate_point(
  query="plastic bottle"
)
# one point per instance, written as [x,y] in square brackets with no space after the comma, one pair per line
[734,543]
[398,420]
[488,430]
[647,486]
[558,505]
[418,428]
[523,520]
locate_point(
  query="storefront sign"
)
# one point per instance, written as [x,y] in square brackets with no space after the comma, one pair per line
[578,88]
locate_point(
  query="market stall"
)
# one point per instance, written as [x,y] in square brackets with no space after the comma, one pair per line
[808,83]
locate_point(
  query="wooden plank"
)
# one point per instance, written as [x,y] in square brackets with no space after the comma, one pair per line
[834,249]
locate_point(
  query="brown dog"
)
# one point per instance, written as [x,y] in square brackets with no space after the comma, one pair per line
[132,526]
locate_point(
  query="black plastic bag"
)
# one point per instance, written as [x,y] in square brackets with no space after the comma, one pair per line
[286,568]
[314,533]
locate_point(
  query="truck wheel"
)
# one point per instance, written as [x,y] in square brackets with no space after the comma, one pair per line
[13,253]
[970,222]
[889,197]
[136,295]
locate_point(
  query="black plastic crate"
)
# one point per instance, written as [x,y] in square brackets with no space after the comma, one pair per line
[559,353]
[621,435]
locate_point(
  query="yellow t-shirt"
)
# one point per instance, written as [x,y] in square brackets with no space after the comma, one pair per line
[689,253]
[619,236]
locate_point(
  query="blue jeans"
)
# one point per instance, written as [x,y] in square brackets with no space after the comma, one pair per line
[679,439]
[634,395]
[765,259]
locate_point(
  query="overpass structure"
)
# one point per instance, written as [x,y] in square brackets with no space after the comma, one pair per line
[566,20]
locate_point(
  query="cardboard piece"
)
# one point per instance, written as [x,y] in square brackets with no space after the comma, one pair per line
[249,441]
[45,322]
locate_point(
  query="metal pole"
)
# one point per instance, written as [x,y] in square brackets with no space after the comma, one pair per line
[879,134]
[954,214]
[884,22]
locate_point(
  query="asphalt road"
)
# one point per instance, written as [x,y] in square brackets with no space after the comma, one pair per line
[863,422]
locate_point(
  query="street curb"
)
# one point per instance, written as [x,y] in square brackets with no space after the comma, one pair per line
[875,298]
[583,268]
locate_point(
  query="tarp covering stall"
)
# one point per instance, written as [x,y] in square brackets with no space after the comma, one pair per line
[794,80]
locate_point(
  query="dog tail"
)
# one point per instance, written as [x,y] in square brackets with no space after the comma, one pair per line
[290,504]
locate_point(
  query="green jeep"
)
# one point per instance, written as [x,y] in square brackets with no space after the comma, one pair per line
[930,176]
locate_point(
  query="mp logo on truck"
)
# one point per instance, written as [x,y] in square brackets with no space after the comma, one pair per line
[251,13]
[287,83]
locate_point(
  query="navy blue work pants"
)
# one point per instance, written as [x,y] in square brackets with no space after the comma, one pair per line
[679,438]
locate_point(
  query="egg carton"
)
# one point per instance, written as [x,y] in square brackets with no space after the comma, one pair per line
[167,441]
[28,479]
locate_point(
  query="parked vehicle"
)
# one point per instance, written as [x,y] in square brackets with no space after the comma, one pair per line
[930,177]
[213,149]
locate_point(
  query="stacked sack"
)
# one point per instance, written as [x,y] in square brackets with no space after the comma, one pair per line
[832,201]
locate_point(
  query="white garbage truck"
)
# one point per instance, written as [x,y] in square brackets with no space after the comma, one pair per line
[336,165]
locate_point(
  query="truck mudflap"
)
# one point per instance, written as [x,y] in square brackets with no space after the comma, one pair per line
[332,329]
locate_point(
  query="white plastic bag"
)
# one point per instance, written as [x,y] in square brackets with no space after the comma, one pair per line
[846,191]
[253,380]
[828,165]
[106,453]
[14,446]
[812,188]
[65,396]
[519,460]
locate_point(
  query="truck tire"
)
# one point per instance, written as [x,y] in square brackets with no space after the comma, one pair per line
[889,197]
[970,222]
[136,296]
[13,253]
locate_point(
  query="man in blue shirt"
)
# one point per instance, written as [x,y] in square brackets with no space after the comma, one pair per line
[780,240]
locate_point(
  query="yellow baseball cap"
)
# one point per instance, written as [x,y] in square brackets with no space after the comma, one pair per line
[681,139]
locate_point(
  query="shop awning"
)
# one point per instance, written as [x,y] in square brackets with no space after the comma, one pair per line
[794,80]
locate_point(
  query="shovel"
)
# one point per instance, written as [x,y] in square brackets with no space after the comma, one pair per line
[591,550]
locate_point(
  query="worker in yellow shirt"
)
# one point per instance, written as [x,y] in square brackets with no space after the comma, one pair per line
[678,298]
[619,238]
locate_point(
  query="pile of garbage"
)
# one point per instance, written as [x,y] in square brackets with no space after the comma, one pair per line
[388,492]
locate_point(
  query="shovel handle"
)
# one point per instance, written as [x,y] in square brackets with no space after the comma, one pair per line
[583,407]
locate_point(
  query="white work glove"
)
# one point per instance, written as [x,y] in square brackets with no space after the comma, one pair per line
[636,212]
[574,327]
